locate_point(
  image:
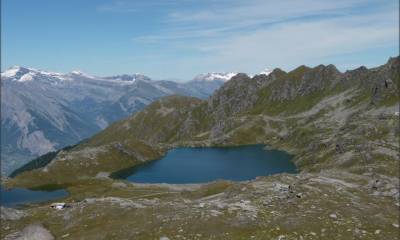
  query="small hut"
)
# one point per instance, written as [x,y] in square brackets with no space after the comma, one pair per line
[58,206]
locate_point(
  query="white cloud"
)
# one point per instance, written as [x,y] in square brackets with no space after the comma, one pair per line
[285,44]
[237,11]
[223,18]
[249,35]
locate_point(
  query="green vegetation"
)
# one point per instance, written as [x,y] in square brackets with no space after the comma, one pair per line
[84,163]
[40,161]
[36,163]
[345,150]
[295,92]
[248,135]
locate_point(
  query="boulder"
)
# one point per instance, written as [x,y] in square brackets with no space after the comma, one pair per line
[31,232]
[11,214]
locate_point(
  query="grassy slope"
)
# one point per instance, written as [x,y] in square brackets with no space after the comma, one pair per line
[179,120]
[338,182]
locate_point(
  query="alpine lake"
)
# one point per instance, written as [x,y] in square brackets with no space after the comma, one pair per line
[181,166]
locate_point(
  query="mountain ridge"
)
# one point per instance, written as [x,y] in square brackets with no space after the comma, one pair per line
[44,111]
[233,114]
[342,129]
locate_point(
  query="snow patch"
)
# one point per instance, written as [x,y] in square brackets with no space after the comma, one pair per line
[215,76]
[80,73]
[11,72]
[26,77]
[29,73]
[77,72]
[59,76]
[265,72]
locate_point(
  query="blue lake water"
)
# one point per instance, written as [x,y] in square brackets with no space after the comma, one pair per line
[19,196]
[196,165]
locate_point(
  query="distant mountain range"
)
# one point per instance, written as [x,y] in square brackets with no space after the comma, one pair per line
[43,111]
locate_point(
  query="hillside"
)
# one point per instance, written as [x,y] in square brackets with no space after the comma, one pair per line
[45,111]
[321,106]
[343,129]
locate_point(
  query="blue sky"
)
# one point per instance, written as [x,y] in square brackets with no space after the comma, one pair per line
[177,39]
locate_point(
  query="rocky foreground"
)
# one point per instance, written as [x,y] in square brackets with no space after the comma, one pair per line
[342,127]
[304,206]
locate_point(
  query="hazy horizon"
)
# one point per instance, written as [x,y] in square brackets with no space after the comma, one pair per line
[189,79]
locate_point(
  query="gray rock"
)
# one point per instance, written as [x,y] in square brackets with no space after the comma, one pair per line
[333,215]
[31,232]
[299,195]
[102,175]
[11,214]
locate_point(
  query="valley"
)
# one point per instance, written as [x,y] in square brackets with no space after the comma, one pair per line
[200,120]
[45,111]
[342,128]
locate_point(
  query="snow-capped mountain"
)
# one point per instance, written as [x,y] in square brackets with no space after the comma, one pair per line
[129,77]
[265,72]
[215,76]
[209,82]
[43,111]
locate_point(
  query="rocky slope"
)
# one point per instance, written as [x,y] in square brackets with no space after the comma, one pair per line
[45,111]
[342,127]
